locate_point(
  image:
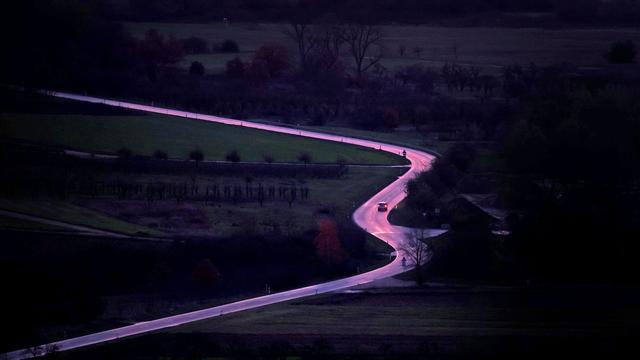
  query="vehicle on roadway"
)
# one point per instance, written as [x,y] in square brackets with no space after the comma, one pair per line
[383,206]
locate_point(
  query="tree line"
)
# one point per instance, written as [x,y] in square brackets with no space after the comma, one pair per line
[209,193]
[565,171]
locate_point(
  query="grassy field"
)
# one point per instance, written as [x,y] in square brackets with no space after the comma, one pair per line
[219,219]
[144,135]
[405,136]
[65,212]
[488,48]
[426,312]
[227,219]
[475,320]
[7,222]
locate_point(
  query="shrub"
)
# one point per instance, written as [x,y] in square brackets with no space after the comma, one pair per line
[235,68]
[205,274]
[196,68]
[229,46]
[155,48]
[304,157]
[268,158]
[391,118]
[622,52]
[194,45]
[233,156]
[196,155]
[274,57]
[160,155]
[124,153]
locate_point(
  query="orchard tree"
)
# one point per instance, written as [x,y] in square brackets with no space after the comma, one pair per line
[196,155]
[233,156]
[305,158]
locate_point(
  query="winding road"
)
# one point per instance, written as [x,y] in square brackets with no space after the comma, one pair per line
[366,216]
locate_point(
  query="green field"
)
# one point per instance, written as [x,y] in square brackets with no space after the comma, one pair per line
[405,136]
[144,135]
[471,315]
[7,222]
[488,48]
[65,212]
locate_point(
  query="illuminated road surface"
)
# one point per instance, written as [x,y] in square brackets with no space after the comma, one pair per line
[366,216]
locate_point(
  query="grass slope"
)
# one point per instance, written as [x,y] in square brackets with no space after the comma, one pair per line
[443,312]
[7,222]
[146,134]
[65,212]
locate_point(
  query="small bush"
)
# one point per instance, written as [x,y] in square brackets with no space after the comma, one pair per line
[196,155]
[160,155]
[229,46]
[268,158]
[233,156]
[194,45]
[305,158]
[274,57]
[622,52]
[124,153]
[235,68]
[196,68]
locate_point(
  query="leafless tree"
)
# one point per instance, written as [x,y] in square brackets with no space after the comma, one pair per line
[300,30]
[330,38]
[417,51]
[363,41]
[401,50]
[417,248]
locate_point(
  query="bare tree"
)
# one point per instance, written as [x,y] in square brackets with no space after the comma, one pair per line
[361,40]
[418,250]
[329,37]
[417,51]
[300,30]
[300,33]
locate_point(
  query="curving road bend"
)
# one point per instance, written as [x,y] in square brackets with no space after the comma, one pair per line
[366,216]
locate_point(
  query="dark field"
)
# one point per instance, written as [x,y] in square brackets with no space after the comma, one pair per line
[487,48]
[467,320]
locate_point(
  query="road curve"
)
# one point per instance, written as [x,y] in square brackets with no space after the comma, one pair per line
[366,216]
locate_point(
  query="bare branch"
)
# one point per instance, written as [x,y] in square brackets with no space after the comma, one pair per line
[301,33]
[418,249]
[361,38]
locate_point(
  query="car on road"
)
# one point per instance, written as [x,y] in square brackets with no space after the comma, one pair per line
[383,206]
